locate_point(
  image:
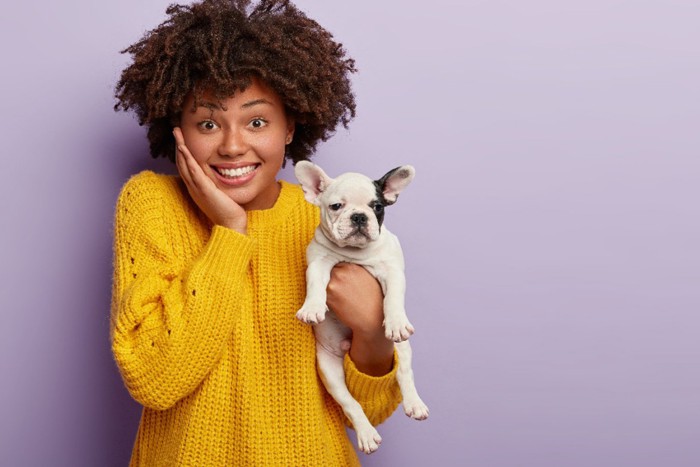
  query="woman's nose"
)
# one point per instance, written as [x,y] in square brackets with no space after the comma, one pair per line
[233,143]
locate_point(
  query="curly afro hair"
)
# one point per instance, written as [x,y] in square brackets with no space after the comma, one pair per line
[220,45]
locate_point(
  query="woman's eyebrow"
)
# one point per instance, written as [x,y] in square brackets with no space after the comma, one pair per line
[255,102]
[209,105]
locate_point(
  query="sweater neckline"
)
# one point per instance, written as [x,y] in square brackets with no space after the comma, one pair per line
[278,212]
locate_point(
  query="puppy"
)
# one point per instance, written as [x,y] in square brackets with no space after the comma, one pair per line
[351,230]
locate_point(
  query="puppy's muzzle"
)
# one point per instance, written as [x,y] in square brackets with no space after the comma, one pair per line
[359,219]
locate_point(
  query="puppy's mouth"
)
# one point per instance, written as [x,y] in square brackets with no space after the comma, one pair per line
[357,232]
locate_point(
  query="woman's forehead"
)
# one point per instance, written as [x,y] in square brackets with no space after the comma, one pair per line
[255,94]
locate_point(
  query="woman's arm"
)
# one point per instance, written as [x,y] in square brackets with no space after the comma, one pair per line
[171,316]
[356,298]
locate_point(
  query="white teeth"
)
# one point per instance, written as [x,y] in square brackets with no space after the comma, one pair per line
[236,172]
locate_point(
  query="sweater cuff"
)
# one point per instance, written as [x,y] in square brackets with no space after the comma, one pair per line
[377,391]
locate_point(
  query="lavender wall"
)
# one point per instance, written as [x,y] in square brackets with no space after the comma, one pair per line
[551,233]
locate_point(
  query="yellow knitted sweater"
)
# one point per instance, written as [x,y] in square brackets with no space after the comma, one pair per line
[205,336]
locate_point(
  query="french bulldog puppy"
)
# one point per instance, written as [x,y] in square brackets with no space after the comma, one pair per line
[351,230]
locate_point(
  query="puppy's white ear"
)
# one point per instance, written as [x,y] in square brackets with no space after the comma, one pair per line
[313,179]
[395,181]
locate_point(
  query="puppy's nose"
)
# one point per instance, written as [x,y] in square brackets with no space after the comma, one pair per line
[359,219]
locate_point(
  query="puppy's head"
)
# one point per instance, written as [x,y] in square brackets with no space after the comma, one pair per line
[352,205]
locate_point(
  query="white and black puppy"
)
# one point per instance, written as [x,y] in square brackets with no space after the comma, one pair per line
[351,230]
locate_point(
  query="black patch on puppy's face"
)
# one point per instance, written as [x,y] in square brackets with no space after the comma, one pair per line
[379,204]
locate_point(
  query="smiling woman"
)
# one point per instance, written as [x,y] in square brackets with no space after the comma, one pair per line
[210,266]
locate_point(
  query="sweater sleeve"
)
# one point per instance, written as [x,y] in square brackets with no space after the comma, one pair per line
[170,318]
[378,395]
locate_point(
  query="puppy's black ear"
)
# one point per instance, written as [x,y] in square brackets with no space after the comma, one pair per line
[313,179]
[393,183]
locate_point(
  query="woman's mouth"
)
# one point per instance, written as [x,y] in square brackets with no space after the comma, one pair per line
[235,173]
[236,177]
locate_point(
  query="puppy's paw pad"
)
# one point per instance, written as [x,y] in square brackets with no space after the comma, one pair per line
[368,440]
[398,331]
[312,314]
[417,410]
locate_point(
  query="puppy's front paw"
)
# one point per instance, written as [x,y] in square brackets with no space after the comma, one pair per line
[368,440]
[398,330]
[416,409]
[312,313]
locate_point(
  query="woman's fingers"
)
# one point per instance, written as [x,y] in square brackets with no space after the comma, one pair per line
[348,282]
[182,168]
[180,159]
[196,175]
[196,178]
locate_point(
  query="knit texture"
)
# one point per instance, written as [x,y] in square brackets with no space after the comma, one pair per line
[204,333]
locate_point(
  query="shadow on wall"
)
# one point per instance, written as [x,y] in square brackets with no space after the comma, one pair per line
[119,413]
[134,157]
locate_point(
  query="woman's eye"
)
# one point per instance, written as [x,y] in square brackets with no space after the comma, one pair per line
[258,123]
[207,125]
[335,207]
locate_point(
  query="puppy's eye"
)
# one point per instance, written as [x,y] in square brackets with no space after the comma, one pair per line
[378,208]
[335,207]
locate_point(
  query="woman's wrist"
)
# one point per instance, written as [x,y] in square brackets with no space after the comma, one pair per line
[239,227]
[373,354]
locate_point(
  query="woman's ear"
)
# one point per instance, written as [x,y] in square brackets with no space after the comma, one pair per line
[291,125]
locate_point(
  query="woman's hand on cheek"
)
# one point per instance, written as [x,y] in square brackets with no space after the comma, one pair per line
[356,298]
[218,207]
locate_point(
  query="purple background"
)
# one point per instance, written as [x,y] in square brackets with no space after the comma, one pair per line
[551,233]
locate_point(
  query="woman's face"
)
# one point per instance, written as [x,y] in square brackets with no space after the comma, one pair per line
[240,142]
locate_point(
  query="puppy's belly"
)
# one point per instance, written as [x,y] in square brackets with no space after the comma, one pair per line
[333,335]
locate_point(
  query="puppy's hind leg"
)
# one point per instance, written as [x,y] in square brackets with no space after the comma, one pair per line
[413,406]
[333,376]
